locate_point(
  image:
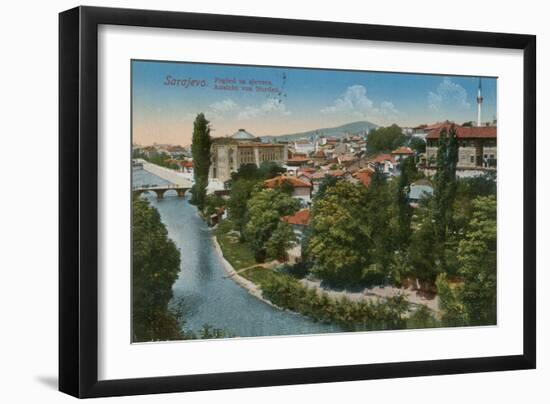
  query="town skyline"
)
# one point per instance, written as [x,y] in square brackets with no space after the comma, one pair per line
[270,101]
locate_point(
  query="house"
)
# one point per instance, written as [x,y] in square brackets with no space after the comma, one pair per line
[419,190]
[384,162]
[186,167]
[299,222]
[477,149]
[304,146]
[364,176]
[319,157]
[402,153]
[297,161]
[301,190]
[346,159]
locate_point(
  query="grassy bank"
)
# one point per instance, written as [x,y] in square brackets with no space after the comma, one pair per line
[286,291]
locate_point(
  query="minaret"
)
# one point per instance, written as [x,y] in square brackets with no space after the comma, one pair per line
[479,101]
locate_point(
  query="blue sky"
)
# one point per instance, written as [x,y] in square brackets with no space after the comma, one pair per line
[287,100]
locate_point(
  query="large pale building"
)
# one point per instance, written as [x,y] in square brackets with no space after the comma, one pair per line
[477,149]
[230,153]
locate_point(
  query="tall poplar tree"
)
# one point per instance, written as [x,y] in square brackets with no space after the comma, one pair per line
[445,186]
[404,210]
[200,150]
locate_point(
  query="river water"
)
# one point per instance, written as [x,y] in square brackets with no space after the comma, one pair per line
[208,296]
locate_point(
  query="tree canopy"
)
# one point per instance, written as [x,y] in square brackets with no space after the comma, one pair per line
[265,209]
[155,267]
[385,139]
[473,302]
[200,149]
[338,239]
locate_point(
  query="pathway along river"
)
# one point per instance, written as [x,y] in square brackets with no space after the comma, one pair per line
[208,296]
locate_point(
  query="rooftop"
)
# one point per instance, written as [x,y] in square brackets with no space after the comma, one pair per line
[280,180]
[242,134]
[364,176]
[403,150]
[300,218]
[467,132]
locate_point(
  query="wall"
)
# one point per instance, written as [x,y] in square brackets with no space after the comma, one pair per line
[28,290]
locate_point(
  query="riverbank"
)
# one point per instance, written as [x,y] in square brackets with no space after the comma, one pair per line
[353,311]
[245,283]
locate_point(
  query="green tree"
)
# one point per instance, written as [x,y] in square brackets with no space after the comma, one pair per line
[338,241]
[270,169]
[385,139]
[212,203]
[200,149]
[423,245]
[474,301]
[417,144]
[404,210]
[155,267]
[282,239]
[265,209]
[378,207]
[445,186]
[328,181]
[241,191]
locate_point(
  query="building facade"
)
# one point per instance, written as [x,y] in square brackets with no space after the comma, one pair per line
[230,153]
[477,148]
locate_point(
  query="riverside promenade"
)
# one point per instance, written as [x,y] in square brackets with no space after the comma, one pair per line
[167,174]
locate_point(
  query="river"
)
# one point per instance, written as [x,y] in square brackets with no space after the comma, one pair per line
[208,296]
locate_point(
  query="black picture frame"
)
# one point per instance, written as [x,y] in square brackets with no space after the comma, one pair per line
[78,201]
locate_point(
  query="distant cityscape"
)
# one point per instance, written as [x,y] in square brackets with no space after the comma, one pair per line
[351,227]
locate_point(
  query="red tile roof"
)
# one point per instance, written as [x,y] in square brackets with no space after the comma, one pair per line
[403,150]
[278,181]
[300,218]
[468,132]
[307,170]
[336,173]
[365,176]
[319,153]
[380,158]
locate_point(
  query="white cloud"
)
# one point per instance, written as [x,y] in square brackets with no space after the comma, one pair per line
[354,100]
[448,94]
[270,106]
[388,108]
[224,106]
[356,103]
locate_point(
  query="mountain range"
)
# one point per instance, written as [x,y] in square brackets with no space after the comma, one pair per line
[352,128]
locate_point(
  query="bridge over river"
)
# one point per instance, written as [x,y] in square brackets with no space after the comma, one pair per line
[209,297]
[173,180]
[160,190]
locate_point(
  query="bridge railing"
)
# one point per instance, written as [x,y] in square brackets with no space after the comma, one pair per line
[152,187]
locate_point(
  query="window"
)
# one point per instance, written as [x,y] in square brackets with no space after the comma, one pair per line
[471,158]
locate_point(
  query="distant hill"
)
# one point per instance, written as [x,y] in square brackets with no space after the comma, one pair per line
[352,128]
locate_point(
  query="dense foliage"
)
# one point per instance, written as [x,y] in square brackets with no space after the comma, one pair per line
[243,182]
[264,230]
[155,267]
[287,292]
[385,139]
[473,301]
[362,236]
[200,149]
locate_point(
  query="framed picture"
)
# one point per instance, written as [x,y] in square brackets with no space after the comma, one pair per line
[251,201]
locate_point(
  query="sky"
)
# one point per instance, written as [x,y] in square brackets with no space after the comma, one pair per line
[167,96]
